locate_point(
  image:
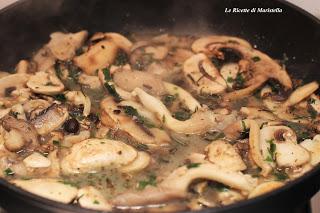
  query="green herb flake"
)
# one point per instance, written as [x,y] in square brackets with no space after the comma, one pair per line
[152,181]
[280,175]
[230,79]
[313,113]
[182,115]
[107,75]
[132,112]
[169,99]
[193,165]
[312,101]
[239,80]
[60,97]
[112,91]
[121,58]
[8,172]
[256,58]
[271,151]
[96,202]
[69,182]
[56,143]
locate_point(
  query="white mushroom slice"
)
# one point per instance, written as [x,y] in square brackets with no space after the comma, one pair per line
[158,52]
[51,189]
[78,98]
[265,188]
[202,75]
[93,155]
[14,81]
[181,178]
[18,110]
[229,196]
[64,45]
[313,146]
[183,96]
[119,40]
[45,82]
[22,67]
[301,93]
[202,44]
[91,81]
[36,160]
[129,80]
[69,140]
[142,111]
[113,117]
[99,56]
[255,146]
[13,140]
[50,119]
[287,152]
[44,59]
[229,73]
[141,162]
[224,155]
[33,107]
[200,121]
[92,198]
[253,113]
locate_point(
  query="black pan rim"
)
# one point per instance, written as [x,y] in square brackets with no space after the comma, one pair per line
[57,206]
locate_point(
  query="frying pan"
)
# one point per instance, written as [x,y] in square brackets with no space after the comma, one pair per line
[26,25]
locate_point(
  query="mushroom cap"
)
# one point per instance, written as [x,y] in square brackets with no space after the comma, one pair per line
[16,81]
[94,154]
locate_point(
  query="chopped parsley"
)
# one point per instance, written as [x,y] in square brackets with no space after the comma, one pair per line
[152,181]
[182,115]
[193,165]
[312,101]
[280,175]
[60,97]
[8,172]
[239,81]
[256,58]
[313,113]
[271,151]
[107,75]
[168,99]
[230,79]
[112,91]
[132,112]
[56,143]
[96,202]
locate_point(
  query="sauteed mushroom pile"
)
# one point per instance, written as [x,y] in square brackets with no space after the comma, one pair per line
[163,123]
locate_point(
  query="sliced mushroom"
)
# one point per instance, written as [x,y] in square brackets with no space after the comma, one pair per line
[200,122]
[78,98]
[141,162]
[253,113]
[255,148]
[129,80]
[301,93]
[113,116]
[142,111]
[13,140]
[224,155]
[71,139]
[181,178]
[202,76]
[92,82]
[22,67]
[265,188]
[50,119]
[64,45]
[21,128]
[45,82]
[183,96]
[260,63]
[150,195]
[203,44]
[313,146]
[99,56]
[33,107]
[36,160]
[93,155]
[52,189]
[287,152]
[12,82]
[119,40]
[91,198]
